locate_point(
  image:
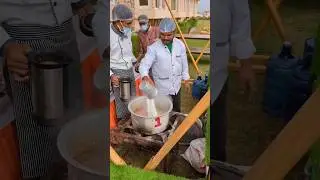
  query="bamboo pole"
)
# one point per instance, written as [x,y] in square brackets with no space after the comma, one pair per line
[192,117]
[276,19]
[202,52]
[266,20]
[291,143]
[115,158]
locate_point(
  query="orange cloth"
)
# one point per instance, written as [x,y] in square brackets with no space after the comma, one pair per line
[113,115]
[92,97]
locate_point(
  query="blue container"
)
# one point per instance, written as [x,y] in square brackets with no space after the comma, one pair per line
[300,91]
[200,87]
[309,50]
[301,81]
[280,68]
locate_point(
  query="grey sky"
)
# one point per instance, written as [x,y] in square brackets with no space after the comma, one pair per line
[204,5]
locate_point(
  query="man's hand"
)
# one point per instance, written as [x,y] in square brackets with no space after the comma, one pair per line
[115,80]
[17,61]
[147,79]
[136,67]
[187,86]
[247,78]
[85,10]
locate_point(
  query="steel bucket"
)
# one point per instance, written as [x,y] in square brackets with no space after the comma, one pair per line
[83,144]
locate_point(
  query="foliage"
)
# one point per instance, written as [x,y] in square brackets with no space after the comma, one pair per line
[187,24]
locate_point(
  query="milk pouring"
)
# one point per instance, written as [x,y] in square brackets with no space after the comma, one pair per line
[151,92]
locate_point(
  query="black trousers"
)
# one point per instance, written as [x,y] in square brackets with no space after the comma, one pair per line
[176,100]
[218,126]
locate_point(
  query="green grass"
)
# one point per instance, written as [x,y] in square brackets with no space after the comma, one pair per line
[131,173]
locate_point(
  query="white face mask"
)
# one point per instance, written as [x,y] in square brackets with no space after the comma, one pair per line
[144,27]
[125,30]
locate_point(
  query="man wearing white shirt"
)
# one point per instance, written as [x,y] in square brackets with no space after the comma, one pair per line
[168,62]
[33,26]
[122,58]
[232,37]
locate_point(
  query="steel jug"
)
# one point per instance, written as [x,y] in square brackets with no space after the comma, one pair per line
[125,88]
[48,86]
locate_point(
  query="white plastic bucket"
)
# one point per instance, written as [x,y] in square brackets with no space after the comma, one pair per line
[150,125]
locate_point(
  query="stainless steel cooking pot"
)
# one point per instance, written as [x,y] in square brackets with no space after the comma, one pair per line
[49,86]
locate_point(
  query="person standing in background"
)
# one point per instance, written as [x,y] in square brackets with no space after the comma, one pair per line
[232,37]
[37,26]
[146,36]
[168,62]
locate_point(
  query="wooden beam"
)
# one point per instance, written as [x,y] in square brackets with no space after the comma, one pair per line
[186,124]
[115,158]
[257,68]
[290,145]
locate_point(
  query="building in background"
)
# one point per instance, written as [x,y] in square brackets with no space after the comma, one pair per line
[157,9]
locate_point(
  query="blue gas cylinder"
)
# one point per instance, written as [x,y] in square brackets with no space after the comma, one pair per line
[300,90]
[301,81]
[196,93]
[279,71]
[309,50]
[200,87]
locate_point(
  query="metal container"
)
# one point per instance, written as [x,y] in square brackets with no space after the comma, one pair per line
[125,88]
[48,82]
[150,125]
[83,144]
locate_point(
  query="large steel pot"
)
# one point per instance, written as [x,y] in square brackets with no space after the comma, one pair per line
[150,125]
[83,144]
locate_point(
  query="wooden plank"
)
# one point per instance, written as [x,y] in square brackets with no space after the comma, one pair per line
[197,50]
[115,158]
[260,69]
[192,117]
[290,145]
[195,36]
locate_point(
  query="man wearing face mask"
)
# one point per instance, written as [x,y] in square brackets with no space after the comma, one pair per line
[168,61]
[121,54]
[146,36]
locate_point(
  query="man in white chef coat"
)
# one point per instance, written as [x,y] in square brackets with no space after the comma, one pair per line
[32,26]
[168,62]
[232,37]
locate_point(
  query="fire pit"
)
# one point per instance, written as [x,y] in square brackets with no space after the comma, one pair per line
[137,148]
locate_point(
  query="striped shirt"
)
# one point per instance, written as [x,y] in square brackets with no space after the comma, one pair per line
[33,12]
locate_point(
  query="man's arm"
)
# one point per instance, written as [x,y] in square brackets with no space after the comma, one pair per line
[101,26]
[241,43]
[4,39]
[147,62]
[101,29]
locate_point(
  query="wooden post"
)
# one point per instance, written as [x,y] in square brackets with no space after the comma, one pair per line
[115,158]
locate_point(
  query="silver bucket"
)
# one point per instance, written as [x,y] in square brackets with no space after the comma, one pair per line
[83,144]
